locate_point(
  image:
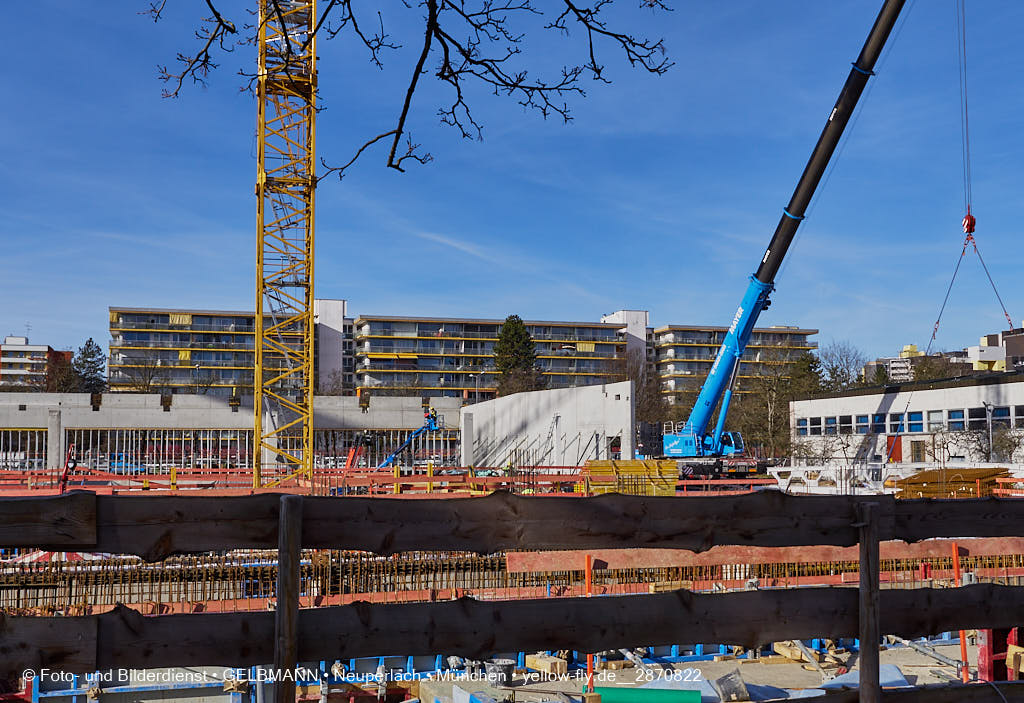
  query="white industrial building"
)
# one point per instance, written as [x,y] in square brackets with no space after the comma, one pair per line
[968,420]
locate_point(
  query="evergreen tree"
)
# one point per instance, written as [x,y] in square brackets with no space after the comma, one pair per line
[805,377]
[515,358]
[89,364]
[880,377]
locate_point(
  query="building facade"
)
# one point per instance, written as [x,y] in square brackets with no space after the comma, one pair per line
[683,355]
[455,356]
[208,352]
[968,419]
[25,365]
[160,350]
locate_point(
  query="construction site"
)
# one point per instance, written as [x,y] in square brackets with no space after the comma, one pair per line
[524,544]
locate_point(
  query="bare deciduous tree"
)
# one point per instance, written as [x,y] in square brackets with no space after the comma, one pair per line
[841,364]
[465,44]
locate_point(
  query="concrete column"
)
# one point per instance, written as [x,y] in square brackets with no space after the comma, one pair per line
[54,441]
[468,457]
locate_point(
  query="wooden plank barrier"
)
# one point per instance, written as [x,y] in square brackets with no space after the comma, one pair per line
[124,638]
[157,526]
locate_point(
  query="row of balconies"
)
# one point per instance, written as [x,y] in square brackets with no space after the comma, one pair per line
[366,332]
[180,327]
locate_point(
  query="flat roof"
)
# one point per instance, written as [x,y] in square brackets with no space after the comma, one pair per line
[983,379]
[783,329]
[250,313]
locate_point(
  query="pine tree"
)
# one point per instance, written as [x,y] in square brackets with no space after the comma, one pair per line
[515,358]
[89,364]
[805,377]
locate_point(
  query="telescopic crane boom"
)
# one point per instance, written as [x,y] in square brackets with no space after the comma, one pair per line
[695,440]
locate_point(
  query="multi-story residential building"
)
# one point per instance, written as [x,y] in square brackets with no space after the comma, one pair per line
[25,365]
[208,351]
[455,356]
[684,354]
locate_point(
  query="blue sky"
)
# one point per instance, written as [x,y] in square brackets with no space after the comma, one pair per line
[660,195]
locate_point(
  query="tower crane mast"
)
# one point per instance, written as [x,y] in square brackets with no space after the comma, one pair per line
[285,190]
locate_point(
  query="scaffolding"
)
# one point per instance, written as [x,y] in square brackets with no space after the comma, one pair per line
[285,188]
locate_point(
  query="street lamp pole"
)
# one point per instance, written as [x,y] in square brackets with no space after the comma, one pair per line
[988,417]
[196,377]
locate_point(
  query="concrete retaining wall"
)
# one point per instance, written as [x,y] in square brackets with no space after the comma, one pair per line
[559,427]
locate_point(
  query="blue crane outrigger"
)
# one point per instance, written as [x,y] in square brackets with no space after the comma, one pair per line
[694,440]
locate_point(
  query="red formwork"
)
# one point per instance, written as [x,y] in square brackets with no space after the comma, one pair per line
[993,646]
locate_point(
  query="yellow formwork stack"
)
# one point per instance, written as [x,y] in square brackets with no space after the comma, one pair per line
[648,477]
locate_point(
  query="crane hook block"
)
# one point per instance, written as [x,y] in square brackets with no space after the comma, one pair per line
[969,223]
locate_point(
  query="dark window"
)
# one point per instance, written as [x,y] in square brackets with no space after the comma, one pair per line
[956,421]
[878,423]
[978,419]
[895,423]
[1001,417]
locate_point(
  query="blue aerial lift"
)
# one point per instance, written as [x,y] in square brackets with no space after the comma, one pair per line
[430,424]
[694,440]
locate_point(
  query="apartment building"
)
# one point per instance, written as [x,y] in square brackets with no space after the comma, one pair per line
[213,352]
[159,350]
[683,355]
[25,365]
[444,356]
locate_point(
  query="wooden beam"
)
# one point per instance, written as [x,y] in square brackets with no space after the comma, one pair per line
[51,522]
[60,644]
[155,527]
[915,520]
[477,629]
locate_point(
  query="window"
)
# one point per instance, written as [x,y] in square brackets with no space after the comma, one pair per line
[895,423]
[878,423]
[1019,412]
[815,426]
[915,421]
[935,423]
[862,424]
[956,420]
[845,424]
[830,425]
[977,419]
[1001,417]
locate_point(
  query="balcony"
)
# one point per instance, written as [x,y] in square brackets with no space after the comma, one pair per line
[242,343]
[181,327]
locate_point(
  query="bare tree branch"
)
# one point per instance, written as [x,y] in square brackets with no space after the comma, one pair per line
[198,66]
[476,42]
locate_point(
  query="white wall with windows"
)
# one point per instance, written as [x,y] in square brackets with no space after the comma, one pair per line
[936,421]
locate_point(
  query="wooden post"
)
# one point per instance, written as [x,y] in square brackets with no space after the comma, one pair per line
[286,617]
[589,581]
[965,672]
[867,521]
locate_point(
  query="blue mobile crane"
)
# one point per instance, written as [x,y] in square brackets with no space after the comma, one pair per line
[430,424]
[694,440]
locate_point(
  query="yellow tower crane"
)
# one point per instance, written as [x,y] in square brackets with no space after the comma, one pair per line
[285,190]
